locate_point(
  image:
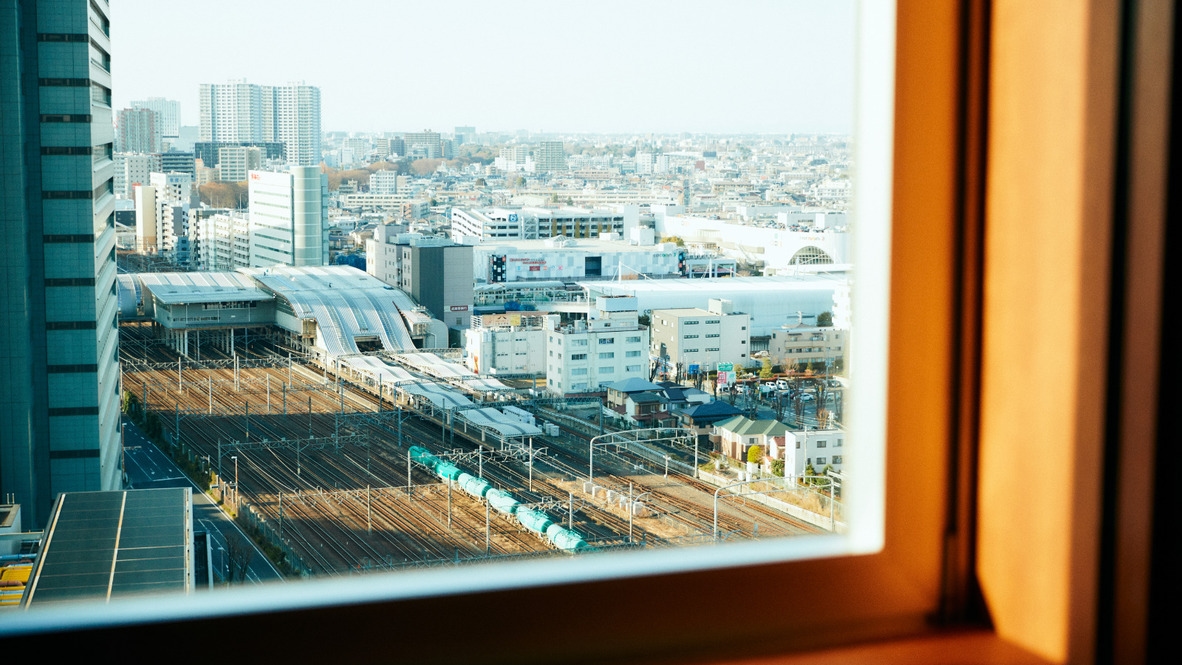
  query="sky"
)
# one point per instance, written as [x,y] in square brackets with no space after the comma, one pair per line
[604,66]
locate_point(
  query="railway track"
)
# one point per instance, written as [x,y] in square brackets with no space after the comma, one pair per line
[334,477]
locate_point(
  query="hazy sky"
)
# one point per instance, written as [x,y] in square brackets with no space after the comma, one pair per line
[738,66]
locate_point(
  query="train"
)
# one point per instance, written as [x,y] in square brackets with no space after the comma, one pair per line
[533,520]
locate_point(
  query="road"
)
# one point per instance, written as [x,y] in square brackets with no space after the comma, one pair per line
[147,467]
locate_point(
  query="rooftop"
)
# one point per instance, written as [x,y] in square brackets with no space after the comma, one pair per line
[178,288]
[744,426]
[112,544]
[345,302]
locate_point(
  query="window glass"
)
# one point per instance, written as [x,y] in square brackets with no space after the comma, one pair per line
[397,479]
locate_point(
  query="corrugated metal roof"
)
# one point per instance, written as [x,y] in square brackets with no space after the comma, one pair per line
[345,302]
[178,288]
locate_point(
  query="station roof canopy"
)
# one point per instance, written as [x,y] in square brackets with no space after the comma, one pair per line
[345,302]
[182,288]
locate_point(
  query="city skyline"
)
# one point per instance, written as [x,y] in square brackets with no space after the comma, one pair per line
[610,67]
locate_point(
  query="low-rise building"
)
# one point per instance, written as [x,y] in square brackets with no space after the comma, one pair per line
[809,347]
[609,346]
[819,448]
[510,343]
[738,434]
[689,341]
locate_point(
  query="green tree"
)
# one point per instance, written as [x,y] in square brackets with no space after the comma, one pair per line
[825,320]
[765,372]
[810,471]
[778,467]
[755,454]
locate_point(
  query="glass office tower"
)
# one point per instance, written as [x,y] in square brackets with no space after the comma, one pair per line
[59,406]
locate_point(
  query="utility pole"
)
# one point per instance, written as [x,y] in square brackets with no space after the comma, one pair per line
[236,499]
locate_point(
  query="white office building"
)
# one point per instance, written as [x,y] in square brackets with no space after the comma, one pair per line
[509,343]
[801,346]
[609,346]
[288,217]
[697,340]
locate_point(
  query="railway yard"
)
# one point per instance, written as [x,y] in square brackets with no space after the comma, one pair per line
[324,468]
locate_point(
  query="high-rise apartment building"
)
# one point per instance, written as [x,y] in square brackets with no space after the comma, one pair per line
[168,114]
[245,112]
[465,134]
[297,121]
[133,168]
[235,162]
[288,217]
[549,156]
[230,112]
[59,409]
[139,131]
[425,144]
